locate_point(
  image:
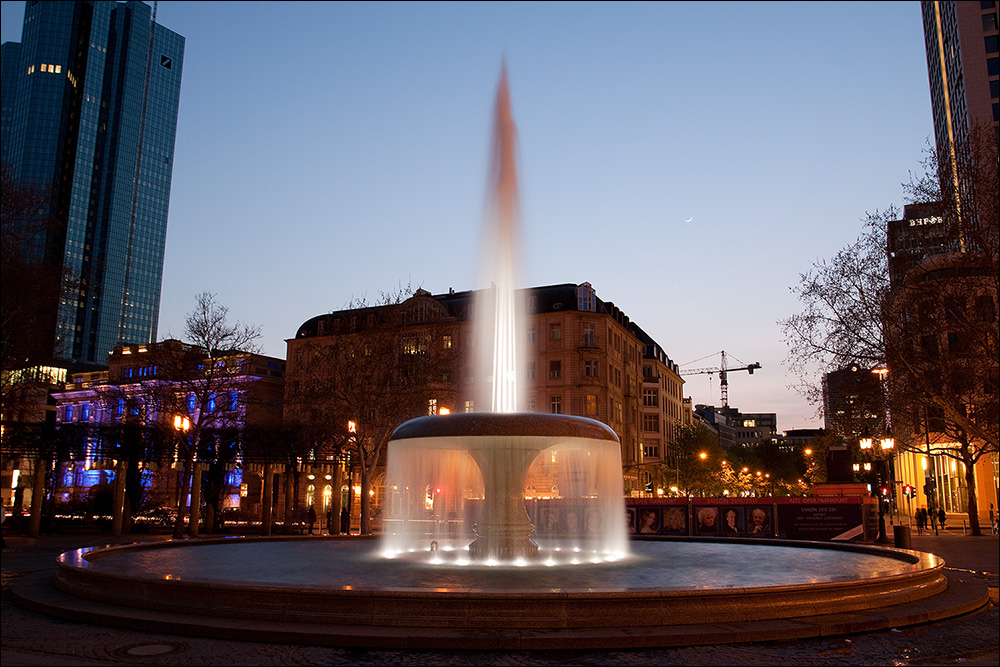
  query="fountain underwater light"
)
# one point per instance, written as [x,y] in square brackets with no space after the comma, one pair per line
[453,478]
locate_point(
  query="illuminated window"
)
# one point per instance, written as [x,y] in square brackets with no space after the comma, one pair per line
[470,406]
[69,413]
[432,406]
[591,405]
[447,342]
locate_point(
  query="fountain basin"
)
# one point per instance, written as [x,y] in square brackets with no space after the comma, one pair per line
[343,582]
[459,482]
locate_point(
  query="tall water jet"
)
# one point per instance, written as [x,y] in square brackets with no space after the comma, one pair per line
[451,476]
[497,309]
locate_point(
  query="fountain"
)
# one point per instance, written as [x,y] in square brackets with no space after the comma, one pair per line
[551,573]
[484,461]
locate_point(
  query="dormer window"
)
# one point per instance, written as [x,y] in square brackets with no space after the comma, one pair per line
[586,299]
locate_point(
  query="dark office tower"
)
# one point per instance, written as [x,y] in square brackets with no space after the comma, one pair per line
[963,65]
[95,88]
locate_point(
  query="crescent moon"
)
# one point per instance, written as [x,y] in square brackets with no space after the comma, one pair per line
[689,220]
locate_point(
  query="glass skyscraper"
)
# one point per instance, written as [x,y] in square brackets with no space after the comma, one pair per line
[90,101]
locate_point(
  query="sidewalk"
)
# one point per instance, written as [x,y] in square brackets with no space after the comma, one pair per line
[27,638]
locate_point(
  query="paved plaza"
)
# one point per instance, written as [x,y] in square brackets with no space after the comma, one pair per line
[29,638]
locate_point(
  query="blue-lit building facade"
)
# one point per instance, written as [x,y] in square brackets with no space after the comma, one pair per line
[92,405]
[90,103]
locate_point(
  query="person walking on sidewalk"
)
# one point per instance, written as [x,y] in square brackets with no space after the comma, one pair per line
[311,518]
[941,517]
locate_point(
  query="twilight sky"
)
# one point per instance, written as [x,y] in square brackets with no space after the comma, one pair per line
[327,151]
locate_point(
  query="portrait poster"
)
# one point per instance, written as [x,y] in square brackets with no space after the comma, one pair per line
[630,519]
[675,520]
[732,523]
[548,520]
[593,521]
[572,520]
[759,521]
[649,520]
[706,520]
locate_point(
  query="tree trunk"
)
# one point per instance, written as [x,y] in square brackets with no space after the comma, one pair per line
[182,497]
[195,518]
[290,497]
[267,500]
[970,483]
[118,499]
[366,521]
[211,519]
[37,496]
[336,501]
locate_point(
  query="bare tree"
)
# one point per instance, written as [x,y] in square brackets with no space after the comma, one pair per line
[378,365]
[198,386]
[931,319]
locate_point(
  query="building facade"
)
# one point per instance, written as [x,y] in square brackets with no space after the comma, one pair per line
[963,66]
[161,390]
[945,316]
[90,102]
[583,357]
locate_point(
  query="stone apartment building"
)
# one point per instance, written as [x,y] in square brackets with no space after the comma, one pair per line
[583,357]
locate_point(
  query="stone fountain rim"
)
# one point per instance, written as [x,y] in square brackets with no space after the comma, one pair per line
[371,615]
[504,424]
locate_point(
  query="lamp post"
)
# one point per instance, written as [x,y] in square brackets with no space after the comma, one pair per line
[882,455]
[181,425]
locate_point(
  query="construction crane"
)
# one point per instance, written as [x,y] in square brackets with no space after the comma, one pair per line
[723,370]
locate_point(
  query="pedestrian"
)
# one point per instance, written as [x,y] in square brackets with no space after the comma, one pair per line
[941,517]
[329,521]
[345,521]
[993,521]
[920,520]
[311,518]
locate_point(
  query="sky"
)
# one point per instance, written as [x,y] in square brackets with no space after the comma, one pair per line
[689,160]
